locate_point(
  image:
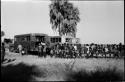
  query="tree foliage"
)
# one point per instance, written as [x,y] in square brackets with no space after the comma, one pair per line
[64,17]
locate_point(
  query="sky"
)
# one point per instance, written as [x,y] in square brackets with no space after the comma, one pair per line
[101,21]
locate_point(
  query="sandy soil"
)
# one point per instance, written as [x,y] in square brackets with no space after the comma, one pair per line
[55,68]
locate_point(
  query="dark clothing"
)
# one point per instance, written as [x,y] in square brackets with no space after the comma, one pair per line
[48,51]
[40,50]
[2,52]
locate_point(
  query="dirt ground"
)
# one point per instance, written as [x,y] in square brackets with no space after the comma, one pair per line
[55,69]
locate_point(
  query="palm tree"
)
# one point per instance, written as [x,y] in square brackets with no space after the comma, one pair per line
[64,17]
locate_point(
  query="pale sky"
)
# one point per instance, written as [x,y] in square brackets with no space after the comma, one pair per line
[101,21]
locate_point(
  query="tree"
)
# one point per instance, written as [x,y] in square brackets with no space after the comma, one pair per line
[64,17]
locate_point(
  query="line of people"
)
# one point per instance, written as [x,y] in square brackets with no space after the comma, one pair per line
[77,50]
[111,50]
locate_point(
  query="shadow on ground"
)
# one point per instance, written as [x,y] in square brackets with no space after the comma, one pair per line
[22,72]
[19,72]
[100,75]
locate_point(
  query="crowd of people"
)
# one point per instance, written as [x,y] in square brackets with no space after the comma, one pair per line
[112,50]
[64,50]
[77,50]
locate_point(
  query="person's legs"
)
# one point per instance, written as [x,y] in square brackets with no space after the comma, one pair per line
[3,55]
[41,53]
[38,53]
[20,52]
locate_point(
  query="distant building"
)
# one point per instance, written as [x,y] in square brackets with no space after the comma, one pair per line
[69,39]
[30,41]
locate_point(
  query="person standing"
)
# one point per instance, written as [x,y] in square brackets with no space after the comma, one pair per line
[48,51]
[20,49]
[3,52]
[44,51]
[39,49]
[85,49]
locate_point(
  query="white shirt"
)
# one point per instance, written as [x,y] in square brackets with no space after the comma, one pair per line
[20,47]
[75,47]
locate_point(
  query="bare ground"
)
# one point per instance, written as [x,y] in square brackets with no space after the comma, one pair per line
[34,68]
